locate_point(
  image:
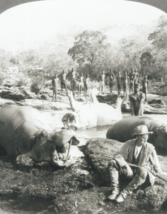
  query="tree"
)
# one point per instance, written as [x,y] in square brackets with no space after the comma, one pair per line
[159,37]
[90,47]
[158,40]
[146,61]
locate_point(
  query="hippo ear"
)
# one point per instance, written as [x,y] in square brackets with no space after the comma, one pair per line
[39,135]
[75,141]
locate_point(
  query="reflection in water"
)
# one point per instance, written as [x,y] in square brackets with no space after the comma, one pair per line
[28,205]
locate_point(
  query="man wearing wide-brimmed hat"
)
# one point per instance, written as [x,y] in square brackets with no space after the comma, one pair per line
[139,152]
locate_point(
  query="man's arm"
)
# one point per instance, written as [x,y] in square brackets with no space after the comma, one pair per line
[155,162]
[122,155]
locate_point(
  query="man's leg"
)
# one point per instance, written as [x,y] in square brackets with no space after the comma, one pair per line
[111,87]
[86,90]
[102,87]
[53,94]
[56,90]
[138,180]
[146,94]
[62,87]
[119,90]
[114,177]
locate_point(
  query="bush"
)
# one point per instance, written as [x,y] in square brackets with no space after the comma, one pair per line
[35,88]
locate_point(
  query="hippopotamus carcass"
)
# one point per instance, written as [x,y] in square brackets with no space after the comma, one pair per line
[25,134]
[123,129]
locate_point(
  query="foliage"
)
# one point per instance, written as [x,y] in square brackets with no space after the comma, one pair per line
[158,40]
[90,54]
[90,50]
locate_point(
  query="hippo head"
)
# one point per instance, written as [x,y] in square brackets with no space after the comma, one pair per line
[49,147]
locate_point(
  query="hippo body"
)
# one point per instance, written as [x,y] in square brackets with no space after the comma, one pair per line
[123,130]
[23,130]
[17,126]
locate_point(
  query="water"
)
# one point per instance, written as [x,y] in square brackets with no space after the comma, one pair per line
[54,120]
[28,205]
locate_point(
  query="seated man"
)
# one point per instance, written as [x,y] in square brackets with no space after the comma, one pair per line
[137,101]
[139,152]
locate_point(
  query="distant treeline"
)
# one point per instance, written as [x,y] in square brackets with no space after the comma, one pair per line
[91,54]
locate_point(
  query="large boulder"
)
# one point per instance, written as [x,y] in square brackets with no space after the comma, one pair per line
[17,93]
[99,151]
[12,94]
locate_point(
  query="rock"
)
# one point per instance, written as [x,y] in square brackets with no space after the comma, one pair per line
[43,97]
[157,102]
[27,93]
[17,93]
[96,151]
[13,94]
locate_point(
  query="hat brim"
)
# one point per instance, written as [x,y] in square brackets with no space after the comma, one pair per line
[136,134]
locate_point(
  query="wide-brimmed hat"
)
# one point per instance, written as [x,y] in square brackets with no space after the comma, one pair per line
[141,130]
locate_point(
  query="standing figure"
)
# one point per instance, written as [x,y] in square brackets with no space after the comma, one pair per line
[145,86]
[132,78]
[111,81]
[140,153]
[162,80]
[137,101]
[119,83]
[63,81]
[86,84]
[55,84]
[102,83]
[125,84]
[136,79]
[73,81]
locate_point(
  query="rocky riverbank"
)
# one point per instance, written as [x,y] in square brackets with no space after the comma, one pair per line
[44,100]
[83,188]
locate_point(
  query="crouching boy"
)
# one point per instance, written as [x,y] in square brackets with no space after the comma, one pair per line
[139,152]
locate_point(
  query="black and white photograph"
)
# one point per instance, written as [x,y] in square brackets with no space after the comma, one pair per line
[83,107]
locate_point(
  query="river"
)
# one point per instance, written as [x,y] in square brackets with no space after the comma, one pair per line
[28,205]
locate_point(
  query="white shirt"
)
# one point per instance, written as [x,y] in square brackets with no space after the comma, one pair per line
[137,151]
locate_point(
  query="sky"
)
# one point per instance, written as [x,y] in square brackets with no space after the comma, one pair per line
[29,25]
